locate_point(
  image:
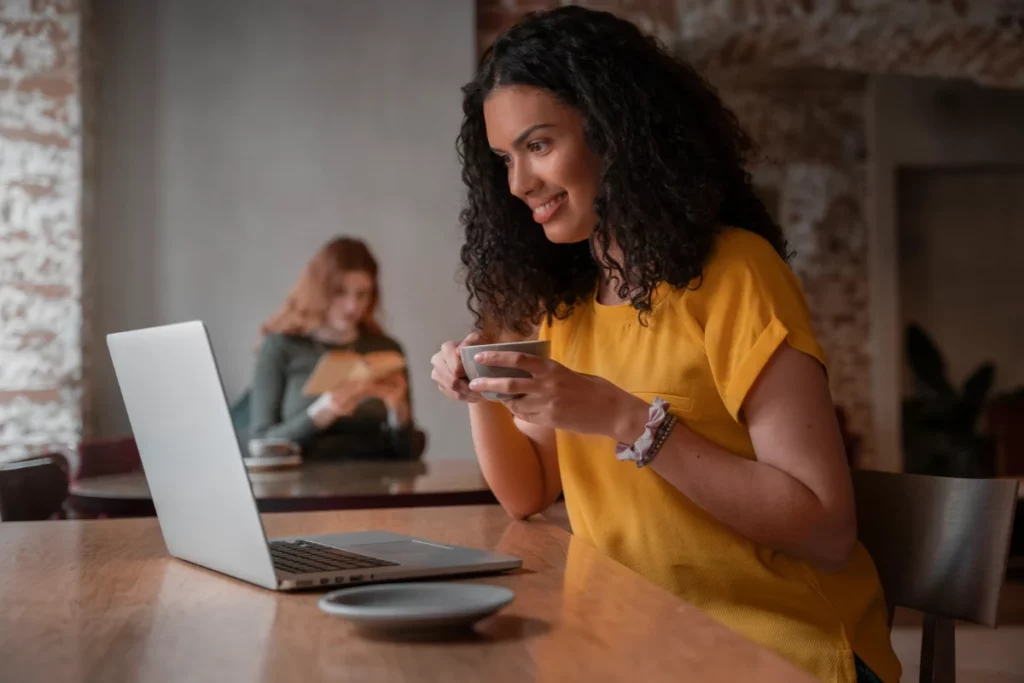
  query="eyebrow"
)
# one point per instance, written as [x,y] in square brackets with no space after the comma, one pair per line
[525,134]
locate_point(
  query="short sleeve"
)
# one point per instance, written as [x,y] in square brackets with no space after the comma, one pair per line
[749,303]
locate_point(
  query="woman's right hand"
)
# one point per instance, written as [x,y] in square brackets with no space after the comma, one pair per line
[339,403]
[346,398]
[448,371]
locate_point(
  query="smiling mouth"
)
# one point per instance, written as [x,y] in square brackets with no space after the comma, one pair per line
[547,209]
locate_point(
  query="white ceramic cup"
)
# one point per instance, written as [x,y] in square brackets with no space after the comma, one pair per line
[272,447]
[474,369]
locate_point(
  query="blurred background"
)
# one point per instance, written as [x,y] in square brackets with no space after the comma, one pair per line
[172,160]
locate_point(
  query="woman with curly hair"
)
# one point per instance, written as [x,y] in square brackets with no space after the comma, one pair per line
[685,411]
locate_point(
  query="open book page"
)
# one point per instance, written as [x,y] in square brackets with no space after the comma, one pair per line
[335,368]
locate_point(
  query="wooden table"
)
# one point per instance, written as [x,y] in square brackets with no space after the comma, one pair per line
[311,486]
[100,600]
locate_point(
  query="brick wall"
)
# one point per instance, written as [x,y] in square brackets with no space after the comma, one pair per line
[40,238]
[810,125]
[812,132]
[980,40]
[657,17]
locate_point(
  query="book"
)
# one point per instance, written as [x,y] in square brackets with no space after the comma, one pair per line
[335,368]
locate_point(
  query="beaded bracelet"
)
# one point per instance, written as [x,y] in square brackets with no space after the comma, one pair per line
[656,431]
[659,440]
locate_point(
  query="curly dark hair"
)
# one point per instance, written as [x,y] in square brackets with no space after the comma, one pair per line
[673,170]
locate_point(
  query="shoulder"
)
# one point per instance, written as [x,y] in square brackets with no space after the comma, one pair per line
[284,343]
[743,273]
[737,249]
[738,255]
[743,261]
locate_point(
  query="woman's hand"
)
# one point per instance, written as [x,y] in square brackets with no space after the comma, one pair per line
[336,404]
[391,390]
[347,397]
[448,371]
[555,396]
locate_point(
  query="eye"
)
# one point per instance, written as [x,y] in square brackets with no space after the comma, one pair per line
[537,146]
[505,159]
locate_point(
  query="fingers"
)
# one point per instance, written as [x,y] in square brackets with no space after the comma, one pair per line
[504,385]
[449,373]
[456,388]
[522,410]
[451,357]
[348,391]
[474,338]
[343,406]
[391,383]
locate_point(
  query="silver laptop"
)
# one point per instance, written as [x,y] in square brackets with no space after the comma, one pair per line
[200,487]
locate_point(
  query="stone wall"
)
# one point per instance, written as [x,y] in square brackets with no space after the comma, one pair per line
[812,172]
[657,17]
[810,124]
[979,40]
[40,236]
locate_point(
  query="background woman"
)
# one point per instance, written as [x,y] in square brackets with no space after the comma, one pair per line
[333,306]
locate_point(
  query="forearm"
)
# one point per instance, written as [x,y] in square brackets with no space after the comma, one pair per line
[268,391]
[267,422]
[298,428]
[399,415]
[508,460]
[754,499]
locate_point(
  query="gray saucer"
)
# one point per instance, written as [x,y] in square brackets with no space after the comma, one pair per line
[406,606]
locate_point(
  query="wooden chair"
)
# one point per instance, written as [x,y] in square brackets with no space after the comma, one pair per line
[33,489]
[940,545]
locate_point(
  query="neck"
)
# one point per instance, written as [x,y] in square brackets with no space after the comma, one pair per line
[608,279]
[337,336]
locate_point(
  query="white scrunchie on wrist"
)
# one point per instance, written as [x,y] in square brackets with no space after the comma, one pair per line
[636,452]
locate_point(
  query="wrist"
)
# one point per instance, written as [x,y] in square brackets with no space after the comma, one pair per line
[322,412]
[630,420]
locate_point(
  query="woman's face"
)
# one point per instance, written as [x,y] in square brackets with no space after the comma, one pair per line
[550,166]
[353,297]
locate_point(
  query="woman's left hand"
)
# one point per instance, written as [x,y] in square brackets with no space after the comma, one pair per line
[391,390]
[555,396]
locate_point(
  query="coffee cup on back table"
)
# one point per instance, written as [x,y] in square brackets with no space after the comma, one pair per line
[272,447]
[474,369]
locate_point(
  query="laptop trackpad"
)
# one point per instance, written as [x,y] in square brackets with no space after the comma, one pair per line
[402,552]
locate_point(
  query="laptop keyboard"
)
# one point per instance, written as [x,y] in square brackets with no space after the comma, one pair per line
[305,557]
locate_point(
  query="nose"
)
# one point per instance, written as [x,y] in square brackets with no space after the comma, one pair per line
[522,180]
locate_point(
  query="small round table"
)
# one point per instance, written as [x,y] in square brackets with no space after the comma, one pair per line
[310,486]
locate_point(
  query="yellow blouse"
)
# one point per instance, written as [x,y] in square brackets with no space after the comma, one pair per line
[702,349]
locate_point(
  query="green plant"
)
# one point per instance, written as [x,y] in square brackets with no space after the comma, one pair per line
[940,422]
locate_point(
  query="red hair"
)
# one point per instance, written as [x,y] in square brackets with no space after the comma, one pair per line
[305,310]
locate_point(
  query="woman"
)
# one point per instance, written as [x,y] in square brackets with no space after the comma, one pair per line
[608,205]
[332,307]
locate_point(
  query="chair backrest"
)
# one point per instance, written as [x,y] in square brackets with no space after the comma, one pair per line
[98,457]
[940,544]
[33,489]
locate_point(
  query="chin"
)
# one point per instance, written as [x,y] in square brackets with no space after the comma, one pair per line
[564,232]
[342,326]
